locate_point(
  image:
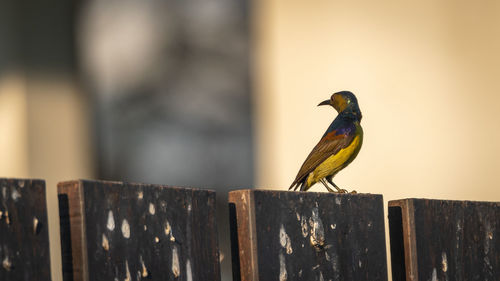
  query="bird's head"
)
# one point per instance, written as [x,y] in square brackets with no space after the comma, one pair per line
[344,101]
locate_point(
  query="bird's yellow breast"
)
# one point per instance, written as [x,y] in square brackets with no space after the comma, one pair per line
[335,163]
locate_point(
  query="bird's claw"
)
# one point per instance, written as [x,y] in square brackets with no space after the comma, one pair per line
[344,191]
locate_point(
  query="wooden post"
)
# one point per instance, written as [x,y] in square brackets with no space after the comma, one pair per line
[124,231]
[24,236]
[444,240]
[284,235]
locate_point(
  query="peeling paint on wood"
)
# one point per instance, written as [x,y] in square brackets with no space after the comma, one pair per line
[127,272]
[105,242]
[111,221]
[283,274]
[144,271]
[6,263]
[317,237]
[35,225]
[444,262]
[15,194]
[337,236]
[305,227]
[144,247]
[189,272]
[444,239]
[7,217]
[285,241]
[125,229]
[24,236]
[175,262]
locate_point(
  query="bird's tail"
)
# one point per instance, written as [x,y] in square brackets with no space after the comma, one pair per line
[301,186]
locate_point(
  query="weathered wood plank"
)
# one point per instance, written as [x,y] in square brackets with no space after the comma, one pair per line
[446,240]
[125,231]
[285,235]
[24,236]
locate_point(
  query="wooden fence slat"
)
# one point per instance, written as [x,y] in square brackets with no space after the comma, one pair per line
[124,231]
[444,240]
[283,235]
[24,236]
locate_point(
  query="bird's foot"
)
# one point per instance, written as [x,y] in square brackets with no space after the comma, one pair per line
[353,192]
[341,190]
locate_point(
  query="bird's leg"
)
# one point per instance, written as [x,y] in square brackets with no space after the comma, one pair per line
[326,185]
[339,190]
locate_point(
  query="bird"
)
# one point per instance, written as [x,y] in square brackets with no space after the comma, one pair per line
[338,146]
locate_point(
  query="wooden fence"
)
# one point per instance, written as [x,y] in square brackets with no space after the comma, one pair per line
[124,231]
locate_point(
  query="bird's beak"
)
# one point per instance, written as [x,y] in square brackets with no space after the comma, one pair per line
[325,102]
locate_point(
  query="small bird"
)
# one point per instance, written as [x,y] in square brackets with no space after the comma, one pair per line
[337,148]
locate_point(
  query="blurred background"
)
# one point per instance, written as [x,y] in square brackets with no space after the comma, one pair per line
[222,94]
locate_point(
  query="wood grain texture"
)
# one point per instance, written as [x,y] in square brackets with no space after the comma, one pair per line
[73,239]
[448,240]
[24,236]
[244,250]
[284,235]
[137,231]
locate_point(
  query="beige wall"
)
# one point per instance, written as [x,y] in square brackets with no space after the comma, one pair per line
[13,126]
[427,77]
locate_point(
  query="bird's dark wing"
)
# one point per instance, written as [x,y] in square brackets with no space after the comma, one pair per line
[329,145]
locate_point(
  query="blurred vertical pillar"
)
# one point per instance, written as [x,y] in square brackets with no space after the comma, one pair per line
[44,118]
[171,87]
[264,96]
[13,111]
[59,142]
[13,126]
